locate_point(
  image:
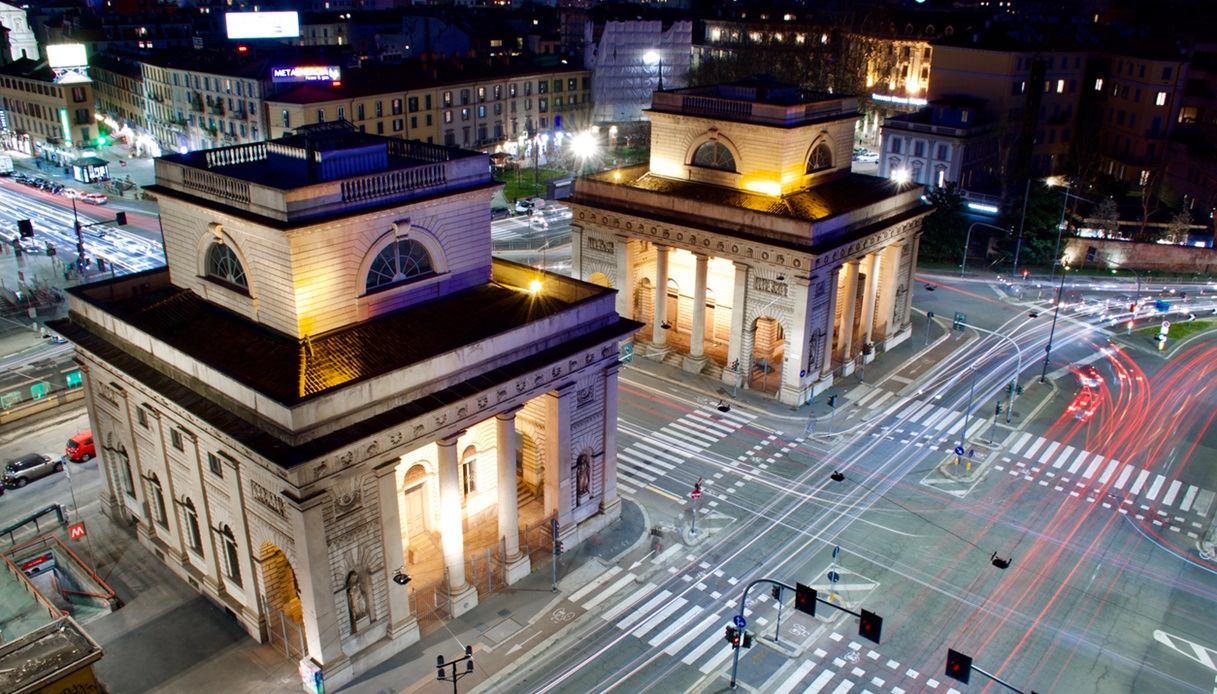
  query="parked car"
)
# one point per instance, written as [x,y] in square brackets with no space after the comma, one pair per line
[29,467]
[524,205]
[80,448]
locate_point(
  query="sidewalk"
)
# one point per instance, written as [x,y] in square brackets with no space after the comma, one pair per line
[140,171]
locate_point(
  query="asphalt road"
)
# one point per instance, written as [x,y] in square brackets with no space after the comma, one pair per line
[1097,514]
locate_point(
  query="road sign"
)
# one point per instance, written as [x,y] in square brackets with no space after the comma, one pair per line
[836,551]
[1165,329]
[695,494]
[627,353]
[739,621]
[971,452]
[960,320]
[959,450]
[76,531]
[833,577]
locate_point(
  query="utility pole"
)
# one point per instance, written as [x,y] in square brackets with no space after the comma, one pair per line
[1060,295]
[440,665]
[1023,220]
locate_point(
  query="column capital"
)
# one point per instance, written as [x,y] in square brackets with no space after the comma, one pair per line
[701,257]
[659,247]
[507,415]
[449,440]
[852,261]
[740,265]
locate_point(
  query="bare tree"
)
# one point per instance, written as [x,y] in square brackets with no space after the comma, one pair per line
[1107,216]
[1179,226]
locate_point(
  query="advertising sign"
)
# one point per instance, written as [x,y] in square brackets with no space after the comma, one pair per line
[63,55]
[306,73]
[263,25]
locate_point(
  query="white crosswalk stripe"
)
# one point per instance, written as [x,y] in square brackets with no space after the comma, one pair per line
[1111,468]
[1039,442]
[594,584]
[690,634]
[797,676]
[1023,438]
[1140,482]
[1188,498]
[628,602]
[1060,459]
[686,617]
[819,682]
[1124,475]
[609,591]
[645,627]
[628,620]
[1077,462]
[1171,492]
[706,644]
[1094,466]
[1154,488]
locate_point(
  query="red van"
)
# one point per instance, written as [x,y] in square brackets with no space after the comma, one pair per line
[80,447]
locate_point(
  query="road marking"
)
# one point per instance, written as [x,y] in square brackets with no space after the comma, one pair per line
[690,634]
[629,619]
[920,411]
[1077,462]
[845,686]
[1202,502]
[1060,459]
[1018,445]
[1048,452]
[609,592]
[1039,442]
[718,659]
[818,683]
[799,673]
[1094,466]
[1199,653]
[878,404]
[644,628]
[594,584]
[1136,486]
[1111,468]
[1188,498]
[1156,487]
[628,602]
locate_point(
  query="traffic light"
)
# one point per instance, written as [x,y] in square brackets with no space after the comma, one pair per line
[50,250]
[1018,390]
[101,140]
[997,410]
[80,248]
[870,626]
[747,643]
[776,592]
[805,599]
[26,228]
[1132,308]
[120,218]
[732,635]
[959,666]
[559,548]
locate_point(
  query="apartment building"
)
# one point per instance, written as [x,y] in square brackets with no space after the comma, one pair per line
[483,107]
[196,100]
[45,116]
[950,141]
[1141,98]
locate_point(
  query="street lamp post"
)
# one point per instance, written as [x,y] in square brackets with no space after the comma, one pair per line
[1056,255]
[963,433]
[1018,245]
[1018,368]
[963,265]
[1060,295]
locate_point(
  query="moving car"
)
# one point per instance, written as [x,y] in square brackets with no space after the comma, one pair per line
[1083,406]
[80,448]
[524,205]
[1090,377]
[29,467]
[94,198]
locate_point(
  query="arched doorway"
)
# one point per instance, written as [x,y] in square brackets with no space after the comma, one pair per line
[768,349]
[281,602]
[414,488]
[599,278]
[644,308]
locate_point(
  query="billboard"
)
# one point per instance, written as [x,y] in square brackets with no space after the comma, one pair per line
[65,55]
[306,73]
[263,25]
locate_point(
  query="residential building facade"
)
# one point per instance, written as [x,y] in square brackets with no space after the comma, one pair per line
[950,141]
[44,115]
[194,103]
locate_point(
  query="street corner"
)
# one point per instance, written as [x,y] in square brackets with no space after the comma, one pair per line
[709,523]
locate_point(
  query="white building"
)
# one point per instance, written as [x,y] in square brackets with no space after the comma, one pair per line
[747,246]
[21,40]
[631,60]
[950,141]
[333,385]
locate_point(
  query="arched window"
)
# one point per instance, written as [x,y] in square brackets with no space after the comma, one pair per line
[714,155]
[158,500]
[193,537]
[820,159]
[357,601]
[469,471]
[402,261]
[232,566]
[224,266]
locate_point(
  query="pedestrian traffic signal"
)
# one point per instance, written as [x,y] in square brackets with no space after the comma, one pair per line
[870,626]
[101,140]
[997,410]
[120,218]
[1018,390]
[805,599]
[959,666]
[26,228]
[776,592]
[747,639]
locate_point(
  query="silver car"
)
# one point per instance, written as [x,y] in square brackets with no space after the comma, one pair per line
[27,468]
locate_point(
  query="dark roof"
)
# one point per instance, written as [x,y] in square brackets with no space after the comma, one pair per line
[292,370]
[760,89]
[848,192]
[29,69]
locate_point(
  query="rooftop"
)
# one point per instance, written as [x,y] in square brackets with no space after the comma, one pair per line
[325,170]
[760,100]
[46,655]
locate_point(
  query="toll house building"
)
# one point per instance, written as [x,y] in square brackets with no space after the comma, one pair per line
[746,246]
[332,386]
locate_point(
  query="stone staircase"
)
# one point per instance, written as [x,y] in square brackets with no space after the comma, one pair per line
[711,371]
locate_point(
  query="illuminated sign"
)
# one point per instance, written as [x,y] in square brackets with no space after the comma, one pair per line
[306,73]
[263,25]
[64,55]
[911,101]
[67,127]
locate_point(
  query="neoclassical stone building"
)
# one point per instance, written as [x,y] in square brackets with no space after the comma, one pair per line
[747,246]
[332,384]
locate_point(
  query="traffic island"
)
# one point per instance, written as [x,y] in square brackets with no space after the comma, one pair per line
[969,466]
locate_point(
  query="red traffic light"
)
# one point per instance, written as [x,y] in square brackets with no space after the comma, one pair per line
[805,599]
[870,626]
[959,666]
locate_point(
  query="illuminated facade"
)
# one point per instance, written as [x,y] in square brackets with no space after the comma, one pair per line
[294,423]
[44,116]
[747,246]
[198,103]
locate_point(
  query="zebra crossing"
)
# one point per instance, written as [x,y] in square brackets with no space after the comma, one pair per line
[1171,503]
[689,627]
[646,460]
[928,424]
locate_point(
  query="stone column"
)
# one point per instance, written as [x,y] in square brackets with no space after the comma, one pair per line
[577,233]
[735,353]
[847,317]
[506,444]
[906,317]
[830,323]
[797,347]
[463,597]
[624,281]
[874,266]
[889,265]
[610,503]
[321,632]
[659,336]
[696,360]
[558,407]
[403,627]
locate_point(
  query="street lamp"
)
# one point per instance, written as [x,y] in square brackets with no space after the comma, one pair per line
[901,176]
[1060,294]
[968,242]
[1056,255]
[584,147]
